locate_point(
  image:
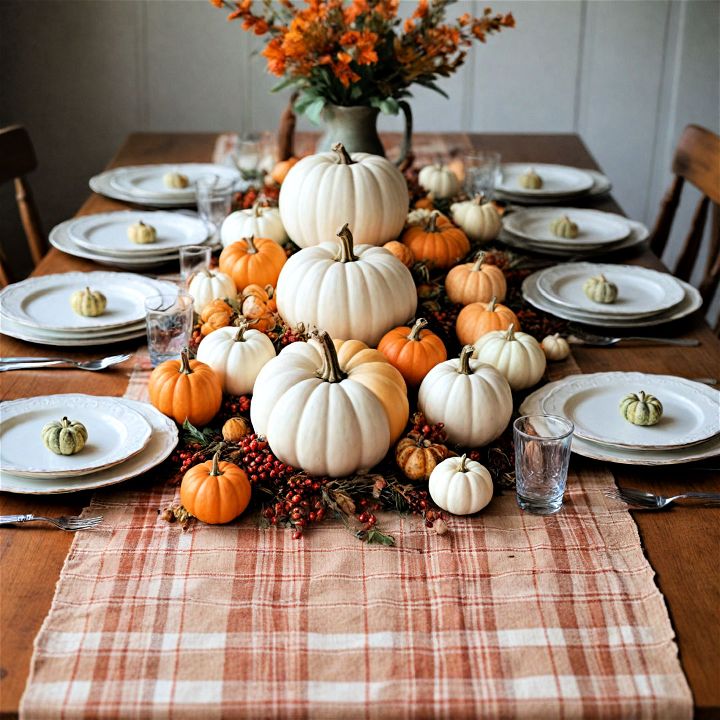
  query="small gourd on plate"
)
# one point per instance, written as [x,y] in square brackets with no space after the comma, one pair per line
[142,234]
[64,437]
[641,408]
[215,492]
[401,251]
[88,303]
[176,180]
[461,486]
[475,282]
[350,291]
[237,355]
[417,456]
[208,285]
[185,389]
[253,260]
[477,319]
[600,290]
[477,218]
[439,180]
[440,245]
[216,314]
[564,227]
[235,429]
[471,398]
[530,180]
[518,356]
[556,348]
[258,305]
[413,351]
[258,221]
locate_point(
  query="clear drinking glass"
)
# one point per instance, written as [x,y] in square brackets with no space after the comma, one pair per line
[268,151]
[214,200]
[482,173]
[542,455]
[194,258]
[248,154]
[169,321]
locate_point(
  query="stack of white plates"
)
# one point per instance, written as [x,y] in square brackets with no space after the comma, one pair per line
[125,438]
[103,238]
[560,183]
[145,185]
[598,232]
[38,309]
[645,297]
[689,428]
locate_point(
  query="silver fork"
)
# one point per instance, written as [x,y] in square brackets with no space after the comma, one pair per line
[580,337]
[648,501]
[64,522]
[30,363]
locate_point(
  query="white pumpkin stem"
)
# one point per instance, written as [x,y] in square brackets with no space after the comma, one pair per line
[432,222]
[256,208]
[420,323]
[462,467]
[479,199]
[343,156]
[347,252]
[641,396]
[478,262]
[492,304]
[185,362]
[215,471]
[464,365]
[251,245]
[510,334]
[241,328]
[330,371]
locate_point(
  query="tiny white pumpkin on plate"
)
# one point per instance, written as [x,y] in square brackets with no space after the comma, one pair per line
[208,285]
[555,347]
[478,219]
[460,486]
[439,180]
[259,221]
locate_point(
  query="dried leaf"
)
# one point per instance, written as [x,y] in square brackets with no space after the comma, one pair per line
[344,502]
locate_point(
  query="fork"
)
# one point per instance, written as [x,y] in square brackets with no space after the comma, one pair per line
[30,363]
[64,522]
[580,337]
[648,501]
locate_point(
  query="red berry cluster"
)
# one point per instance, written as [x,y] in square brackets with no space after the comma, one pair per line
[233,405]
[259,462]
[195,339]
[292,335]
[434,433]
[298,502]
[443,318]
[245,200]
[185,459]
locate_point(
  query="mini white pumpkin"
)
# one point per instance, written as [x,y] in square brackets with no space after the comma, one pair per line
[421,216]
[555,347]
[439,180]
[258,221]
[176,180]
[478,219]
[237,355]
[352,291]
[517,355]
[208,285]
[472,399]
[142,234]
[324,191]
[460,486]
[317,417]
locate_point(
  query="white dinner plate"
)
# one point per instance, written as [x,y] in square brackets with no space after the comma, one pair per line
[162,442]
[107,233]
[595,228]
[557,180]
[44,301]
[115,433]
[641,291]
[690,303]
[601,186]
[532,405]
[691,411]
[89,334]
[101,184]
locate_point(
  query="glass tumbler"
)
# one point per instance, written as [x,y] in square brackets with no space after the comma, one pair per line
[542,455]
[194,258]
[214,201]
[169,321]
[482,173]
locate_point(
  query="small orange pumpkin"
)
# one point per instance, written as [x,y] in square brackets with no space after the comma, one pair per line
[413,351]
[253,261]
[441,246]
[475,282]
[235,428]
[417,457]
[215,314]
[215,492]
[186,389]
[259,306]
[282,168]
[401,251]
[477,319]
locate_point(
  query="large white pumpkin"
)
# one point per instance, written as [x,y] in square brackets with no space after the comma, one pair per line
[209,285]
[323,192]
[237,355]
[258,221]
[317,417]
[460,486]
[473,399]
[517,355]
[351,291]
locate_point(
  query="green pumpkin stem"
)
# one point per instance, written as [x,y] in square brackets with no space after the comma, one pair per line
[330,371]
[478,262]
[420,323]
[342,154]
[251,245]
[465,354]
[215,471]
[347,252]
[462,467]
[432,222]
[185,362]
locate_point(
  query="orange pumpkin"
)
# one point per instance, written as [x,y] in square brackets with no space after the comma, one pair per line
[475,282]
[413,351]
[477,319]
[235,428]
[282,168]
[253,260]
[440,246]
[402,252]
[186,390]
[215,492]
[259,306]
[425,203]
[215,314]
[418,457]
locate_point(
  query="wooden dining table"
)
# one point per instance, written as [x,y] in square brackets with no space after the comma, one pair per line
[681,544]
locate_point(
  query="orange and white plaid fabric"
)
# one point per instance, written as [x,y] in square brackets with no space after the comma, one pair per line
[508,615]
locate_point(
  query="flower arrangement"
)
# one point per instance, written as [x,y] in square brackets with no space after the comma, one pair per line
[361,53]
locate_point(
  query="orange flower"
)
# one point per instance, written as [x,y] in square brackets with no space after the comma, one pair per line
[217,3]
[275,56]
[344,58]
[421,10]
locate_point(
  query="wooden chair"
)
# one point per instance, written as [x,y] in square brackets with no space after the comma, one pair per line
[697,161]
[17,159]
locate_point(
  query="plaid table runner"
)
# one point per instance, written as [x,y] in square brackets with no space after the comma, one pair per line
[508,615]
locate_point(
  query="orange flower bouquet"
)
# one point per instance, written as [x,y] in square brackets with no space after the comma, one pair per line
[361,53]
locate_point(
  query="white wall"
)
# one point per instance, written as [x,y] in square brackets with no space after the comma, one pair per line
[627,75]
